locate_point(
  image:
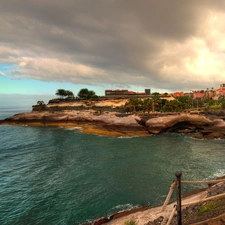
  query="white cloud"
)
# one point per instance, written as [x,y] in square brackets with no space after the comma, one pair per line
[1,73]
[49,69]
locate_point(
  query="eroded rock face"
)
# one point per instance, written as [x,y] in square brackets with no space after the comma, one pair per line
[200,126]
[211,133]
[105,120]
[184,121]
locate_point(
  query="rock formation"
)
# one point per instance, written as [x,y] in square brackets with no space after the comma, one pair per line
[200,126]
[176,122]
[109,123]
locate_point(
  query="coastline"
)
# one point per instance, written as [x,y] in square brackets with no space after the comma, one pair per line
[112,123]
[84,127]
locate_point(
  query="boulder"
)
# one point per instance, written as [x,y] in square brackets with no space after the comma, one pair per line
[219,123]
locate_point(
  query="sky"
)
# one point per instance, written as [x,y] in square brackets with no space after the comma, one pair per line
[163,45]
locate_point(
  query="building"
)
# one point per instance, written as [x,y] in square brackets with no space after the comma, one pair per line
[221,91]
[222,86]
[198,94]
[178,94]
[127,93]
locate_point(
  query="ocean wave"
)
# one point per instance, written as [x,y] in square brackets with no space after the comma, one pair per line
[127,137]
[218,173]
[71,128]
[123,207]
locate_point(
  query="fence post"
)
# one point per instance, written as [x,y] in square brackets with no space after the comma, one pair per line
[178,175]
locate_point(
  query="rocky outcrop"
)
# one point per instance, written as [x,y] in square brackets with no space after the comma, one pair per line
[176,123]
[200,126]
[117,124]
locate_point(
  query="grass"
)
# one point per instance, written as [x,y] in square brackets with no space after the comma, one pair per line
[208,207]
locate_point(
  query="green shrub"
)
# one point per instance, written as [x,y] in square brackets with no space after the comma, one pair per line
[215,107]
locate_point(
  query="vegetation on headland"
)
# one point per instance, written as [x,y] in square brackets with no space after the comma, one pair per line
[179,104]
[84,93]
[62,93]
[155,103]
[147,110]
[87,94]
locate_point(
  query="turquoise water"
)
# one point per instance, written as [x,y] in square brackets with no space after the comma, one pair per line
[62,176]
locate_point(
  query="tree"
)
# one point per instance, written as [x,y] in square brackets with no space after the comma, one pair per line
[163,102]
[64,93]
[185,102]
[133,104]
[147,105]
[40,106]
[69,94]
[223,104]
[156,95]
[91,94]
[61,92]
[84,93]
[172,106]
[40,103]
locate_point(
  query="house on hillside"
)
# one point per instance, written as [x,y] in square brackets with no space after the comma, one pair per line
[210,94]
[198,94]
[178,94]
[220,92]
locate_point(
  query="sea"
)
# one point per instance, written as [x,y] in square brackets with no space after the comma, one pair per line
[63,176]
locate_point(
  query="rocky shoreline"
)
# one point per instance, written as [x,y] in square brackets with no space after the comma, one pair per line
[199,125]
[106,123]
[203,126]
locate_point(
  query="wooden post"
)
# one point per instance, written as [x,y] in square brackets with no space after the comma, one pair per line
[178,175]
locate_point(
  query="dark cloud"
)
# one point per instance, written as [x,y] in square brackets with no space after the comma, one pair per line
[163,44]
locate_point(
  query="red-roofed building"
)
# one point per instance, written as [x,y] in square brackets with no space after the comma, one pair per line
[198,94]
[220,91]
[131,93]
[178,94]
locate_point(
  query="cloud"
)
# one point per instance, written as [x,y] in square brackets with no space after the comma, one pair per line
[173,45]
[2,74]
